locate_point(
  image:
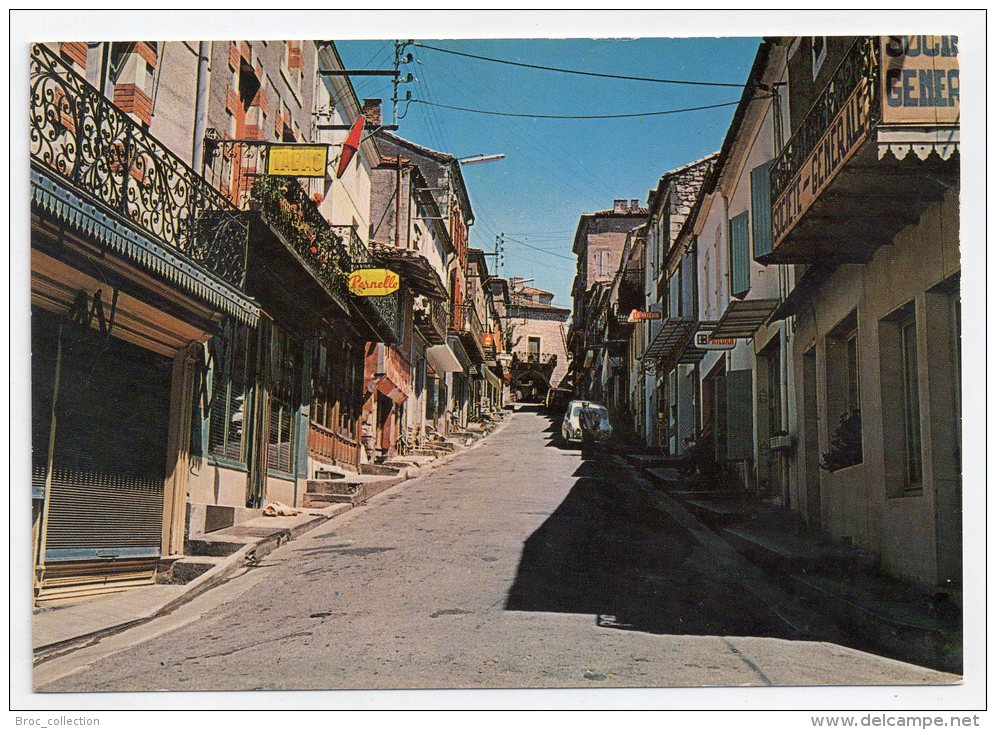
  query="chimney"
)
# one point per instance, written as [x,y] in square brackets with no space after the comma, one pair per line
[634,205]
[371,110]
[619,206]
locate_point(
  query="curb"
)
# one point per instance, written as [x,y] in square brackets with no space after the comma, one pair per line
[242,559]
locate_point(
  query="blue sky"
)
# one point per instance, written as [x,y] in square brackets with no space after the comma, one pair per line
[554,170]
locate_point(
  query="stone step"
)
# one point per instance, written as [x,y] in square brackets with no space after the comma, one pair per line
[332,487]
[384,469]
[786,551]
[324,500]
[329,474]
[905,623]
[206,546]
[188,568]
[719,511]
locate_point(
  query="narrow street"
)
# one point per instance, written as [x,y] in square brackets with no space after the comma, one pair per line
[515,565]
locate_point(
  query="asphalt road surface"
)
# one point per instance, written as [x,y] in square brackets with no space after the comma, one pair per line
[515,565]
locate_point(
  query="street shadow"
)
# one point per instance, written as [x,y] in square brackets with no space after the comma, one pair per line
[602,553]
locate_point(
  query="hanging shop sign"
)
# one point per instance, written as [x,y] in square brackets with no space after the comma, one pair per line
[705,341]
[638,315]
[297,160]
[488,339]
[350,145]
[373,282]
[919,78]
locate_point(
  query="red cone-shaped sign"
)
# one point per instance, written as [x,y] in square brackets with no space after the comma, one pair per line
[351,144]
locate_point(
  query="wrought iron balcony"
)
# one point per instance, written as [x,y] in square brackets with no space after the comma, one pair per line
[467,324]
[288,210]
[80,137]
[534,358]
[431,317]
[858,71]
[386,309]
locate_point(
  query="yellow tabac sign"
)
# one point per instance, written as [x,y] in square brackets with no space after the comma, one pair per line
[373,282]
[297,160]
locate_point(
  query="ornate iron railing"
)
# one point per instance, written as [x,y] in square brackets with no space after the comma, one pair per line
[287,208]
[431,315]
[861,64]
[465,320]
[534,358]
[387,308]
[81,136]
[359,253]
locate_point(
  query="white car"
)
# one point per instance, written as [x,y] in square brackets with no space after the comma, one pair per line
[570,428]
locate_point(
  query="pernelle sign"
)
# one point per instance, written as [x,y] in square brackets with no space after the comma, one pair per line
[373,282]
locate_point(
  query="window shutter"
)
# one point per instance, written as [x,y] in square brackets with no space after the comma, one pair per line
[719,416]
[740,255]
[689,307]
[674,296]
[739,415]
[760,206]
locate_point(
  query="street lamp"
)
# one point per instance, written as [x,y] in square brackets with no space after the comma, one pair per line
[479,158]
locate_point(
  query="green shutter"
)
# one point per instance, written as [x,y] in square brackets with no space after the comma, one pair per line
[739,415]
[740,254]
[760,207]
[719,417]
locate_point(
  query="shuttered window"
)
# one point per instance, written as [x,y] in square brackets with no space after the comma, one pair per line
[674,296]
[740,255]
[739,415]
[689,294]
[760,207]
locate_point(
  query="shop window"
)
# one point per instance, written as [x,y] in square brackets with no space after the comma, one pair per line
[229,355]
[333,382]
[284,365]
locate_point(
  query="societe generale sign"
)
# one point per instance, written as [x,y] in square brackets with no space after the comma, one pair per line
[373,282]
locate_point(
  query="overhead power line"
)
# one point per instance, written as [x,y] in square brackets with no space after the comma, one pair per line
[492,112]
[541,250]
[578,72]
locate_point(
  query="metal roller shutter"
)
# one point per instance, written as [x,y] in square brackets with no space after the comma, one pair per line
[106,499]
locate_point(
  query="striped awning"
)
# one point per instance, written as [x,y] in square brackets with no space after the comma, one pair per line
[128,242]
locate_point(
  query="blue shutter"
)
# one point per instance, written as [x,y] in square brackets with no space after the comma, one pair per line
[740,255]
[760,207]
[689,307]
[674,296]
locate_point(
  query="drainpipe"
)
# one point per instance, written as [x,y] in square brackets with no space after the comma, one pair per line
[201,104]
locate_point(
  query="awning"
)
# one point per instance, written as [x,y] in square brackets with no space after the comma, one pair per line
[389,388]
[491,377]
[744,318]
[457,348]
[671,338]
[443,359]
[414,269]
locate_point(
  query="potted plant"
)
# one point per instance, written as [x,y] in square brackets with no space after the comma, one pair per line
[845,442]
